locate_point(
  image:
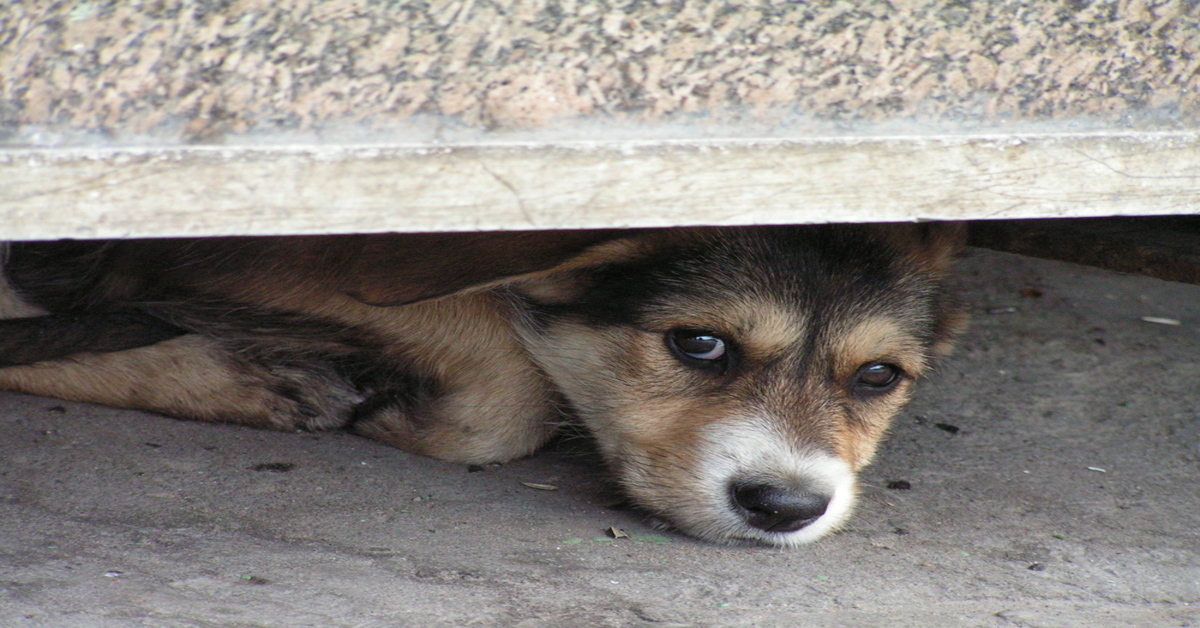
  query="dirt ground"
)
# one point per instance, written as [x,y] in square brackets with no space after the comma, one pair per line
[1046,476]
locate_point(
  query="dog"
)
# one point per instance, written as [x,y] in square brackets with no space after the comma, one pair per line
[734,379]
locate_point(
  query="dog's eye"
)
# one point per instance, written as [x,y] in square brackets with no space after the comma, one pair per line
[877,377]
[701,347]
[698,348]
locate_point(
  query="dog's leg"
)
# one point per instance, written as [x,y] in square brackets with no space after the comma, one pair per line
[195,377]
[471,393]
[470,422]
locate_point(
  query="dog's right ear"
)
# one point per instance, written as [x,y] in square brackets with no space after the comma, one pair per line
[394,269]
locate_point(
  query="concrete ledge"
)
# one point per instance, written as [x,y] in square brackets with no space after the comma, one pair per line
[201,191]
[508,114]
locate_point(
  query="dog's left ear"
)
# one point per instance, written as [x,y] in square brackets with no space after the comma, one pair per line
[932,245]
[389,270]
[935,246]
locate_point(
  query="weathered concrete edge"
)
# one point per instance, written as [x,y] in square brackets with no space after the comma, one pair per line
[314,189]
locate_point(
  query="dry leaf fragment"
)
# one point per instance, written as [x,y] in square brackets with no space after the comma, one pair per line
[616,533]
[540,487]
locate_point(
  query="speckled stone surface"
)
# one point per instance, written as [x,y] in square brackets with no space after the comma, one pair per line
[204,70]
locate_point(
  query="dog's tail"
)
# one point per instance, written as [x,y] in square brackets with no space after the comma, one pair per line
[28,334]
[55,336]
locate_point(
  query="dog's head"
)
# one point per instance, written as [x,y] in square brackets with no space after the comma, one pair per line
[737,379]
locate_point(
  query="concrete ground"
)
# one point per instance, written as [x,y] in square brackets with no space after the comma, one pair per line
[1046,476]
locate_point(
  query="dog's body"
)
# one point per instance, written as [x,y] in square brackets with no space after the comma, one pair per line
[734,379]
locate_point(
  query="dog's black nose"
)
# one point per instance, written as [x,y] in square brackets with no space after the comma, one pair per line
[777,508]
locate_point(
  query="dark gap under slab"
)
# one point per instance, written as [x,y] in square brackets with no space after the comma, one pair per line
[1164,247]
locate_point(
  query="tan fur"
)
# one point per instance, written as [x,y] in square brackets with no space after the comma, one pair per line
[876,339]
[478,352]
[188,376]
[500,406]
[12,306]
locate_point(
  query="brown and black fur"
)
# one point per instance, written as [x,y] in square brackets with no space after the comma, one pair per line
[476,347]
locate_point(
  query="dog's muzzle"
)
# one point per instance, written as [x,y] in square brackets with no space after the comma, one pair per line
[759,487]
